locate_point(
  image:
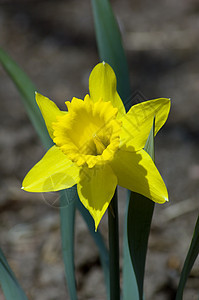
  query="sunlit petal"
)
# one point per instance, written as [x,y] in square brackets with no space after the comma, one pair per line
[137,123]
[102,84]
[137,172]
[96,189]
[49,111]
[52,173]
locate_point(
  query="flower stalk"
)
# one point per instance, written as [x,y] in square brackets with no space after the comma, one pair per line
[114,249]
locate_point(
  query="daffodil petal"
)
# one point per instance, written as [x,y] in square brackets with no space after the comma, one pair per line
[49,111]
[137,123]
[102,84]
[96,189]
[137,172]
[52,173]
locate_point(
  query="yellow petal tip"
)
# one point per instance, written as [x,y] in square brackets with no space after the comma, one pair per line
[22,188]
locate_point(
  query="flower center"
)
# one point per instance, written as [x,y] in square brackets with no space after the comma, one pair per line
[89,133]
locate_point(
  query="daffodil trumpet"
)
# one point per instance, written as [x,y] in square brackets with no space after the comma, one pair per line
[97,145]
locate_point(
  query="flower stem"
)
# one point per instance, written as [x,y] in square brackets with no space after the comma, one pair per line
[114,249]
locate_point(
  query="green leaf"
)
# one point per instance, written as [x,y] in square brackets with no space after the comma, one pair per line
[10,286]
[110,46]
[149,146]
[68,198]
[113,237]
[130,288]
[190,259]
[27,90]
[68,202]
[140,212]
[103,252]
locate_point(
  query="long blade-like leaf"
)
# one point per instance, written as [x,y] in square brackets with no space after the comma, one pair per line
[68,200]
[104,256]
[110,46]
[8,281]
[190,259]
[130,288]
[140,212]
[27,89]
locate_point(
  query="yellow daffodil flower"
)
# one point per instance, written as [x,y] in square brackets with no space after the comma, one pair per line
[99,146]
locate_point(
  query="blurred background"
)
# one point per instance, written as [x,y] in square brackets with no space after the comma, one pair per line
[54,42]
